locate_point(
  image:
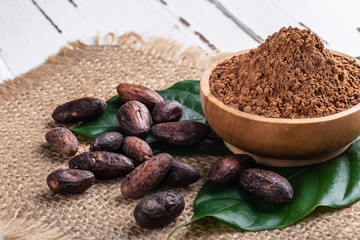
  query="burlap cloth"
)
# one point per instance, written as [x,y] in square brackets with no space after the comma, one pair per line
[29,210]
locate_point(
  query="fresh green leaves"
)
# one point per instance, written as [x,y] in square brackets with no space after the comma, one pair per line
[335,183]
[188,94]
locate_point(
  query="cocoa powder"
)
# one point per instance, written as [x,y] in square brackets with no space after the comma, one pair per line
[290,75]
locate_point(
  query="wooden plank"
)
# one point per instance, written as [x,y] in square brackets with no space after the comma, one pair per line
[32,30]
[237,21]
[210,24]
[335,22]
[262,16]
[4,72]
[46,16]
[144,17]
[28,35]
[27,38]
[70,20]
[36,29]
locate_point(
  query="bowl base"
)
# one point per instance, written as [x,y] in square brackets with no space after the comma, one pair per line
[274,162]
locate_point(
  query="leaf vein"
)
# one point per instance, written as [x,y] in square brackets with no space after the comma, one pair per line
[221,209]
[317,186]
[297,173]
[348,176]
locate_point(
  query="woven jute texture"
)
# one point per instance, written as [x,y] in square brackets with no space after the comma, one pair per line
[29,210]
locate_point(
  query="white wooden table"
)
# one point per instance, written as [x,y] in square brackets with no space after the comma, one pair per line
[32,30]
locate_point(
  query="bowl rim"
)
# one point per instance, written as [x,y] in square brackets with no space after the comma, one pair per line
[205,90]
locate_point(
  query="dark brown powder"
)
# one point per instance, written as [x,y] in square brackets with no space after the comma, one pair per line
[290,75]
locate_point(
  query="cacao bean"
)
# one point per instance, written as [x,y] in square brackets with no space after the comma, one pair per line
[108,142]
[137,149]
[226,170]
[167,111]
[267,185]
[63,141]
[134,118]
[180,174]
[159,209]
[70,181]
[184,133]
[104,165]
[146,176]
[129,92]
[79,110]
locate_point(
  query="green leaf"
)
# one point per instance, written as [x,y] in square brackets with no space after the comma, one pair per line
[358,57]
[335,183]
[185,92]
[105,123]
[188,94]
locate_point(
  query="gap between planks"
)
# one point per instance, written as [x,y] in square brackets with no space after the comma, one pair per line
[46,16]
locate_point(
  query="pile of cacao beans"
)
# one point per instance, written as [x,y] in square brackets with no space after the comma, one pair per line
[113,155]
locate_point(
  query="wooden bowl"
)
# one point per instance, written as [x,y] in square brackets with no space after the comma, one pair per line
[280,142]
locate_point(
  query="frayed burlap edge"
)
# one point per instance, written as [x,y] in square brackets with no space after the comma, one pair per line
[14,228]
[164,48]
[23,227]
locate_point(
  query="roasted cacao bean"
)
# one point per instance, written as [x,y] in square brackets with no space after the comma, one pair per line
[79,110]
[134,118]
[184,133]
[146,176]
[159,209]
[267,185]
[137,149]
[129,92]
[226,170]
[104,165]
[63,141]
[167,111]
[70,181]
[181,174]
[108,142]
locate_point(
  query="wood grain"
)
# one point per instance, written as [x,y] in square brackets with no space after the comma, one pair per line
[32,30]
[26,37]
[208,23]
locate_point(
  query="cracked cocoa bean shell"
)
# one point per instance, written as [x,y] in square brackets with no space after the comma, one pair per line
[159,209]
[226,170]
[129,92]
[134,118]
[79,110]
[267,185]
[167,111]
[70,181]
[63,141]
[105,165]
[108,142]
[184,133]
[146,176]
[181,174]
[137,149]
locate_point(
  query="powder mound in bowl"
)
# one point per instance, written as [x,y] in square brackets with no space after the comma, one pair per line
[290,75]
